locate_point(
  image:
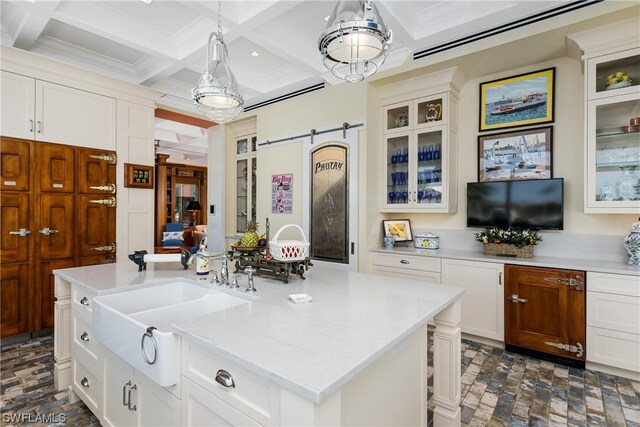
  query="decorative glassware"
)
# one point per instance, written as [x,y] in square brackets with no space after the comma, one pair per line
[625,186]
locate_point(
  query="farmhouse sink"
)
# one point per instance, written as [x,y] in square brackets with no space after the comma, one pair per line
[136,325]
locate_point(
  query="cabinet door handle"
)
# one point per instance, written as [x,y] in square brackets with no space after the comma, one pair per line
[108,248]
[85,337]
[111,188]
[39,126]
[225,379]
[134,407]
[404,261]
[84,382]
[84,301]
[48,231]
[515,298]
[31,126]
[110,202]
[110,158]
[124,393]
[500,278]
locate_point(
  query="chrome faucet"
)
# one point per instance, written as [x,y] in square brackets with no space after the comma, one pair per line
[250,270]
[224,270]
[214,277]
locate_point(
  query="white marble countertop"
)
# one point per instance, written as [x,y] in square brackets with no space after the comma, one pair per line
[536,261]
[311,349]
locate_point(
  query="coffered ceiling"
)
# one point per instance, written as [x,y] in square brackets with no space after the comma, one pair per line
[272,43]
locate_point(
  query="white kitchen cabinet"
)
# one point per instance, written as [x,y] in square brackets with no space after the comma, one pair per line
[613,321]
[419,138]
[612,139]
[131,399]
[424,268]
[483,301]
[44,111]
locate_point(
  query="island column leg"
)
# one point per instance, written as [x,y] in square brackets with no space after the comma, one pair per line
[446,367]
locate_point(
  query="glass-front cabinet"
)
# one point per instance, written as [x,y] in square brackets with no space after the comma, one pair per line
[418,159]
[612,105]
[246,168]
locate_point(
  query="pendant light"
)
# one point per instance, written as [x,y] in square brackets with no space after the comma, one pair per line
[356,41]
[217,93]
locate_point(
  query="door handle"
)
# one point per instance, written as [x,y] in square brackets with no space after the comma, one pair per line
[515,298]
[39,126]
[110,202]
[111,158]
[133,387]
[21,232]
[47,231]
[500,278]
[111,188]
[124,393]
[108,248]
[31,126]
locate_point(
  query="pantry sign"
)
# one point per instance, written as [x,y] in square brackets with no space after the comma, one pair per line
[282,194]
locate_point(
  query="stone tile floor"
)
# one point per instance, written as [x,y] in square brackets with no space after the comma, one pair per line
[499,388]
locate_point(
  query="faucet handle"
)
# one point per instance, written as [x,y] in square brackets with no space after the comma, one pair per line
[234,282]
[214,277]
[250,271]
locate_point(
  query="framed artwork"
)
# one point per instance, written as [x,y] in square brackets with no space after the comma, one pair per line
[400,229]
[514,156]
[138,176]
[523,100]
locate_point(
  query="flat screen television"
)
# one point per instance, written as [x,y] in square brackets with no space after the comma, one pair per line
[536,204]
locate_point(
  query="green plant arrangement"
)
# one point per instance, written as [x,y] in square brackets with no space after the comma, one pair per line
[514,236]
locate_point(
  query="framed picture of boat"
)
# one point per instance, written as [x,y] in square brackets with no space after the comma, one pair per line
[514,156]
[523,100]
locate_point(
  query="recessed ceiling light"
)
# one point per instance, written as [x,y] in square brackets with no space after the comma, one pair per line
[254,53]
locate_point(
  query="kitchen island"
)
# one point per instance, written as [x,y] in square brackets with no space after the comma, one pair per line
[355,355]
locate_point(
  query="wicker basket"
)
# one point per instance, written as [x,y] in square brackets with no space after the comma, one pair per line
[289,250]
[508,250]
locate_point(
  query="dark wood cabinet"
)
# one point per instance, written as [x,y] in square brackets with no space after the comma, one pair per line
[50,218]
[544,311]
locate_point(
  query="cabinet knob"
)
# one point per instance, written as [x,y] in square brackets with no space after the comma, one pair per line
[404,261]
[225,379]
[85,337]
[84,301]
[84,382]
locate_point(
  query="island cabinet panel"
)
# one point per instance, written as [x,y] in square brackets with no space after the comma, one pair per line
[14,297]
[56,168]
[15,227]
[545,311]
[482,307]
[15,162]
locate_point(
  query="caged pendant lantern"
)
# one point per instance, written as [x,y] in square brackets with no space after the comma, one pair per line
[217,94]
[356,41]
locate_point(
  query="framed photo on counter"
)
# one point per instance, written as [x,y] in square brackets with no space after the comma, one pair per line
[400,229]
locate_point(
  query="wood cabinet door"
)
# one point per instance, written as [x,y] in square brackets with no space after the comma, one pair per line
[545,308]
[14,217]
[17,105]
[56,229]
[75,117]
[15,161]
[96,170]
[46,294]
[56,168]
[14,297]
[95,225]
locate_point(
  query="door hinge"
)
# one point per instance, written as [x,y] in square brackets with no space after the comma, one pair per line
[577,349]
[577,283]
[110,202]
[111,158]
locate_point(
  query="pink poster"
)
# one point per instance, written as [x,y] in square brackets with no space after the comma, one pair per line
[282,194]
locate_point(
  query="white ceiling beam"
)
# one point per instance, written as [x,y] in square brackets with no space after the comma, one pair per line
[34,23]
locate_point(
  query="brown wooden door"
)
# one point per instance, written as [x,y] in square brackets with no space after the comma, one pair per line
[14,297]
[95,170]
[45,297]
[95,225]
[14,217]
[545,308]
[15,159]
[56,168]
[56,229]
[96,260]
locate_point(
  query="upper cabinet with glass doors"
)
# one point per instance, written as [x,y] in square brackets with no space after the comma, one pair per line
[419,145]
[246,167]
[612,132]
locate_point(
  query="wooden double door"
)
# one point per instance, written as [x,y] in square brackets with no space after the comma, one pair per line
[57,210]
[544,311]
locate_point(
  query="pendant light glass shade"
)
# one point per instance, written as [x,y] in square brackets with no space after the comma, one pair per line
[356,41]
[217,93]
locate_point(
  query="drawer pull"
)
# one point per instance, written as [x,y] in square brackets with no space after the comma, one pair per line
[23,232]
[110,202]
[124,392]
[84,337]
[111,188]
[84,301]
[404,261]
[111,158]
[84,382]
[225,379]
[48,231]
[149,334]
[134,407]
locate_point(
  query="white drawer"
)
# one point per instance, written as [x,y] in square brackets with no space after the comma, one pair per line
[84,340]
[612,348]
[424,276]
[615,312]
[81,302]
[613,283]
[422,263]
[87,384]
[253,396]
